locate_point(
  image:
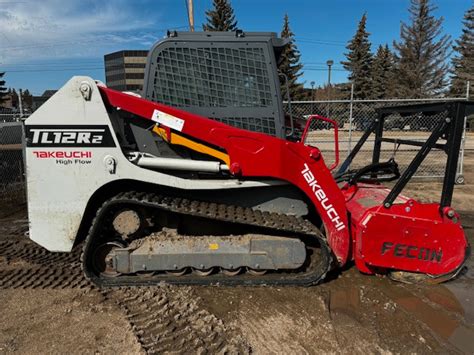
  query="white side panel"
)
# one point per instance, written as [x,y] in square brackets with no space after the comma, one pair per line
[61,178]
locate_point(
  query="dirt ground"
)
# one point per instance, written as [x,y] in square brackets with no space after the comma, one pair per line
[47,307]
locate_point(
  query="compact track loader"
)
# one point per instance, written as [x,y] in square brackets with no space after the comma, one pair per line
[205,181]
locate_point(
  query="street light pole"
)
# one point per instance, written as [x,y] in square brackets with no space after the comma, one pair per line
[330,63]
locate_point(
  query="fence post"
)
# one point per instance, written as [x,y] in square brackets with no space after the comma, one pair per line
[460,167]
[328,108]
[351,106]
[20,104]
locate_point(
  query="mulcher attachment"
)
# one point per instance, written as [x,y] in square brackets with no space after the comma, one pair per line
[394,234]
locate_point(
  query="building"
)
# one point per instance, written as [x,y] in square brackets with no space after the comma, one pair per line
[9,101]
[29,102]
[125,70]
[37,101]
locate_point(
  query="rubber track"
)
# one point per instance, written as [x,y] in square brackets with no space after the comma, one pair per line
[226,213]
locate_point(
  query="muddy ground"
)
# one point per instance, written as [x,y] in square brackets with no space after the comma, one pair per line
[47,307]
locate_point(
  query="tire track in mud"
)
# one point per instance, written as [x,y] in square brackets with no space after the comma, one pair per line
[167,318]
[27,265]
[163,318]
[276,320]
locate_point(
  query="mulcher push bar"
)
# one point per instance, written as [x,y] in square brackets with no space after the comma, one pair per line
[450,128]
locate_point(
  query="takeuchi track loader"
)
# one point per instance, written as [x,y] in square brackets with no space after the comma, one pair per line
[205,181]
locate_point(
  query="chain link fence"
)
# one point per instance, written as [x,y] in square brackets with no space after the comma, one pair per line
[12,177]
[353,117]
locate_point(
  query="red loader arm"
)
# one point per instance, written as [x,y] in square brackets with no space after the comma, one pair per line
[256,155]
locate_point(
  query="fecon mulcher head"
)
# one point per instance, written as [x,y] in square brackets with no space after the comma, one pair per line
[155,191]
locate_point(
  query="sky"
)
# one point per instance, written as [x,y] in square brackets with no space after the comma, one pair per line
[44,43]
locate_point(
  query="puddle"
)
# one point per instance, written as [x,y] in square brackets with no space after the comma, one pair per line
[464,293]
[439,309]
[414,317]
[345,302]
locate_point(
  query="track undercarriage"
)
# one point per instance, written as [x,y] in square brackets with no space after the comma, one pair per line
[133,236]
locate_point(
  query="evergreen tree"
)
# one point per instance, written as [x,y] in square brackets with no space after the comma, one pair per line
[289,64]
[383,74]
[359,61]
[422,52]
[3,89]
[14,98]
[27,99]
[463,62]
[221,18]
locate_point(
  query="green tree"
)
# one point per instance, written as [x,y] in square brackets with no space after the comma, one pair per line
[221,17]
[289,64]
[27,99]
[359,61]
[3,89]
[14,97]
[463,62]
[383,74]
[422,53]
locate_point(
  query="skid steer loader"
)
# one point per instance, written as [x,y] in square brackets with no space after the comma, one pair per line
[202,180]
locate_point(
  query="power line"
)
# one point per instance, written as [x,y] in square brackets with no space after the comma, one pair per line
[66,43]
[52,70]
[320,43]
[74,68]
[321,63]
[56,44]
[332,43]
[316,40]
[98,61]
[325,69]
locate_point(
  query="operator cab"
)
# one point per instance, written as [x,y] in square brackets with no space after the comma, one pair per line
[231,77]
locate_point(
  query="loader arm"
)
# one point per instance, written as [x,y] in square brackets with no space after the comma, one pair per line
[252,154]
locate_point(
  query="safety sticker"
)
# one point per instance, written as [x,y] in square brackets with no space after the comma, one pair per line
[213,246]
[168,120]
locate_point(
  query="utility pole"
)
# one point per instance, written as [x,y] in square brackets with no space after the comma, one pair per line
[330,62]
[190,15]
[20,104]
[312,97]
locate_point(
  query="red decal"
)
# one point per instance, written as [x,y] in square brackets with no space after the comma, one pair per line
[62,154]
